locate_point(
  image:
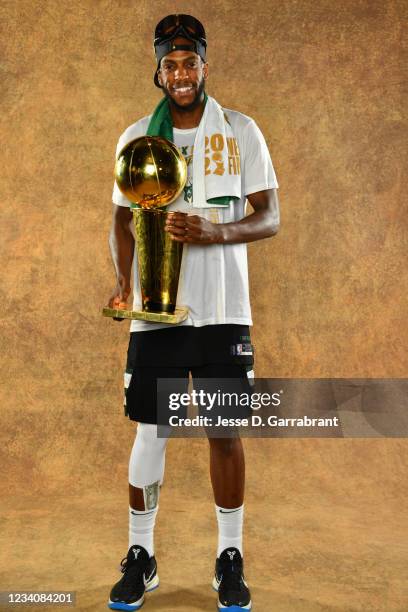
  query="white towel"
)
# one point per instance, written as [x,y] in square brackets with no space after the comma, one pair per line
[216,167]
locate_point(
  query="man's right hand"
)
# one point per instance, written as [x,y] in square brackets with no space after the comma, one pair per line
[119,297]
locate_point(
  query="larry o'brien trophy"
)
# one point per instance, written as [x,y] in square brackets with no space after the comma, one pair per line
[151,172]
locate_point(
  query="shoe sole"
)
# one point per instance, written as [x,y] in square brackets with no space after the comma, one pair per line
[118,605]
[234,608]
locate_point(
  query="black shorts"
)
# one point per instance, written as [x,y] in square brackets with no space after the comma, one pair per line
[213,351]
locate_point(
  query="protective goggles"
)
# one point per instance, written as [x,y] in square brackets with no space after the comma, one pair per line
[179,25]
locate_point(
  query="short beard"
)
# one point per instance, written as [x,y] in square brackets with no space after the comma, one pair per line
[196,102]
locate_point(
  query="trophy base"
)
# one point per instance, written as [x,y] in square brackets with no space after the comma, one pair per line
[179,315]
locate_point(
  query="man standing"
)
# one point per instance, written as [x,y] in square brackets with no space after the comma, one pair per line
[214,287]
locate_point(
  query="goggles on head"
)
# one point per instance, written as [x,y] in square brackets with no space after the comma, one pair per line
[175,26]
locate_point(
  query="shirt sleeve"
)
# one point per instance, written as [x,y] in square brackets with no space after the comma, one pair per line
[259,173]
[117,196]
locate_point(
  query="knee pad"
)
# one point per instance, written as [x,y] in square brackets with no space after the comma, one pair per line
[147,460]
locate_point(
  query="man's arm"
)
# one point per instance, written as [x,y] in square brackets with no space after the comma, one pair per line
[262,223]
[122,246]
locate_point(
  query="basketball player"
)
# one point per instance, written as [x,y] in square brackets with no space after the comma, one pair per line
[214,286]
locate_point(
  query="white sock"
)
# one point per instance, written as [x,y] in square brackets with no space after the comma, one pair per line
[230,521]
[141,528]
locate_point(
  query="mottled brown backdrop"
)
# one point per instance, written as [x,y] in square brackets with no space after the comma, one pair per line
[325,82]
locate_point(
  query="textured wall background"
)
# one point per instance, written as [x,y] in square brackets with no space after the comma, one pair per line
[324,81]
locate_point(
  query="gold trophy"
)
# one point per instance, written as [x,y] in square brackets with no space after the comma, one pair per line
[151,172]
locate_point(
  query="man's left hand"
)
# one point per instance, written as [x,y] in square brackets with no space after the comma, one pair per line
[192,229]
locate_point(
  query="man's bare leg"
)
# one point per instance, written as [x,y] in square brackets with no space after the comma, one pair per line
[227,470]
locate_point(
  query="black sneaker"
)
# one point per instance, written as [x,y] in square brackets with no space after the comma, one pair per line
[233,592]
[139,576]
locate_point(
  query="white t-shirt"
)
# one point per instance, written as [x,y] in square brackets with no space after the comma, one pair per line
[213,278]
